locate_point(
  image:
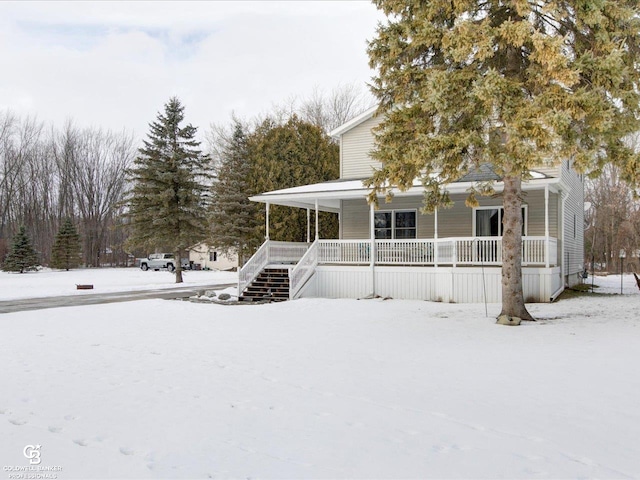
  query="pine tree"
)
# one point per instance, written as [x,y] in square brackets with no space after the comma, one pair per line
[233,215]
[514,83]
[287,155]
[66,252]
[22,256]
[169,198]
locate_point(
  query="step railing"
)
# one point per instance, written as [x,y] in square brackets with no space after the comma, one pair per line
[270,252]
[304,269]
[253,267]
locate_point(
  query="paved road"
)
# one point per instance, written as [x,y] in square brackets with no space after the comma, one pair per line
[19,305]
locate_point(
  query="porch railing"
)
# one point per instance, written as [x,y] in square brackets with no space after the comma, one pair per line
[349,252]
[446,251]
[270,252]
[303,270]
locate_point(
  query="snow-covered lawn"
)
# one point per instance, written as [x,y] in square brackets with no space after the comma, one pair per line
[48,282]
[324,389]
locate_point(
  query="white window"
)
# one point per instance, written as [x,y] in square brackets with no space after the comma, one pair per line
[395,224]
[213,256]
[487,221]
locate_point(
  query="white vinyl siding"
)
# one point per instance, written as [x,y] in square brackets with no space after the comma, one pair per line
[573,238]
[355,148]
[443,284]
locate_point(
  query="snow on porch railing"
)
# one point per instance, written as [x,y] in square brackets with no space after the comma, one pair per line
[303,270]
[269,252]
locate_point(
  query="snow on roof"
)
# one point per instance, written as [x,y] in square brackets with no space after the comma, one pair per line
[329,194]
[331,186]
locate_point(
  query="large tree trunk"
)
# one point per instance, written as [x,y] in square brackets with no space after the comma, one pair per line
[512,296]
[178,258]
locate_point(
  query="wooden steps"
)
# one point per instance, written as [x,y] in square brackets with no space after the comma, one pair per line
[271,284]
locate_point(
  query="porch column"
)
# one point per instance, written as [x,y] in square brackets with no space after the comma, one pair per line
[317,218]
[435,237]
[266,236]
[372,250]
[308,225]
[546,226]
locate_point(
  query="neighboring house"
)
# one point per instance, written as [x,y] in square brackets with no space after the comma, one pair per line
[453,255]
[204,257]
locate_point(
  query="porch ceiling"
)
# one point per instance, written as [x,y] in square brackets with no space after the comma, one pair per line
[329,194]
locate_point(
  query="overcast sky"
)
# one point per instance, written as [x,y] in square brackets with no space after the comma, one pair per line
[115,64]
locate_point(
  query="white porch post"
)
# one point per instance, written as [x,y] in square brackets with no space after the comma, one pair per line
[308,225]
[435,237]
[372,250]
[546,226]
[317,218]
[266,236]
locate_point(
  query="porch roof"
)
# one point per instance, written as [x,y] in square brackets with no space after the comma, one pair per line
[329,194]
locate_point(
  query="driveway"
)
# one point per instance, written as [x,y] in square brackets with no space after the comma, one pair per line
[23,304]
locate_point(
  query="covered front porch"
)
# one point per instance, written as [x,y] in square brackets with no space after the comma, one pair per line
[445,268]
[350,269]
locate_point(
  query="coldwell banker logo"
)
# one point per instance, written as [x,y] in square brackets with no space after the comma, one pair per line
[33,471]
[32,452]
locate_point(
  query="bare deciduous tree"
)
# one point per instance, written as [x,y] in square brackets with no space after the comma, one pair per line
[613,219]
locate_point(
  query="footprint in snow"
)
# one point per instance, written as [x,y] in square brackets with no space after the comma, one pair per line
[17,421]
[80,441]
[126,451]
[55,429]
[68,418]
[440,449]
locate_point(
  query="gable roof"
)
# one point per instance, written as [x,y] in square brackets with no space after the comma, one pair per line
[354,122]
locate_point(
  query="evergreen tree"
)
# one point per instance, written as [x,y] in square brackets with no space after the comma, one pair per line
[168,201]
[288,155]
[233,215]
[66,252]
[514,83]
[22,257]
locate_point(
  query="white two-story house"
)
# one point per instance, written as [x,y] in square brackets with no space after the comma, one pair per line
[452,255]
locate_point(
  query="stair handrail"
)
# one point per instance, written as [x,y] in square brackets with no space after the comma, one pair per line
[253,267]
[303,270]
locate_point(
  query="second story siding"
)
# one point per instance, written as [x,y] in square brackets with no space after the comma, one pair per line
[357,143]
[355,147]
